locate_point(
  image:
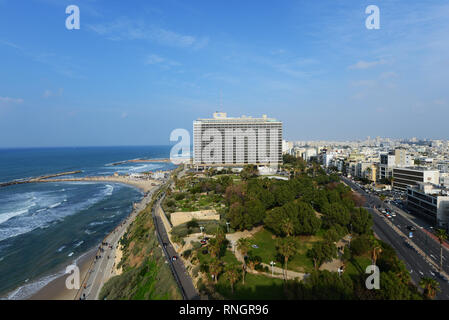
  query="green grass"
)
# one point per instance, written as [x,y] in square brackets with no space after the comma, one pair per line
[357,265]
[267,250]
[228,258]
[195,202]
[256,287]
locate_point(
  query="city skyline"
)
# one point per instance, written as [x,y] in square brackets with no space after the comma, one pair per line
[132,74]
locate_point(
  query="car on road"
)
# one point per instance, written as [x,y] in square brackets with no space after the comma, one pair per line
[174,258]
[411,228]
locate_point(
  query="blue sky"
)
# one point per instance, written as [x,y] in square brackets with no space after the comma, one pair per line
[136,70]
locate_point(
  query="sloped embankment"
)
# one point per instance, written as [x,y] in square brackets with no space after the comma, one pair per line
[145,275]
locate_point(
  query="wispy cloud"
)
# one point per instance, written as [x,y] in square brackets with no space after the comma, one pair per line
[49,93]
[388,75]
[60,64]
[8,100]
[126,29]
[294,67]
[360,65]
[154,59]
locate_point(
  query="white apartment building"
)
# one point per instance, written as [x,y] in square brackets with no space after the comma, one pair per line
[405,177]
[430,202]
[397,158]
[224,141]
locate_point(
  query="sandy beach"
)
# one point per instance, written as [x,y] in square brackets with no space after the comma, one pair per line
[56,289]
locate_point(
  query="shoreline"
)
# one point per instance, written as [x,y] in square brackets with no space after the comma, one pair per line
[56,289]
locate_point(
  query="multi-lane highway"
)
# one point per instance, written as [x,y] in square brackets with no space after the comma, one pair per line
[415,263]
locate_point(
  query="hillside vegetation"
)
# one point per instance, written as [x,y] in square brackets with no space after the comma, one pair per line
[145,275]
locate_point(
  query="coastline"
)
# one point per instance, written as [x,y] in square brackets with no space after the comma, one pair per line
[56,288]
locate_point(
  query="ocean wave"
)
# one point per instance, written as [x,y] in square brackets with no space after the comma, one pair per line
[109,190]
[97,223]
[54,205]
[6,216]
[78,244]
[29,289]
[61,248]
[49,210]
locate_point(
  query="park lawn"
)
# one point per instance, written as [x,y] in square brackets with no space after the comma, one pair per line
[190,203]
[256,287]
[357,265]
[266,242]
[228,258]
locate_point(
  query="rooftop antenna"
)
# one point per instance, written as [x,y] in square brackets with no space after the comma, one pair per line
[221,100]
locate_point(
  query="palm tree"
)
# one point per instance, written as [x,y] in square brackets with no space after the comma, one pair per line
[214,247]
[232,275]
[375,253]
[430,286]
[287,226]
[215,268]
[441,235]
[286,248]
[243,246]
[220,235]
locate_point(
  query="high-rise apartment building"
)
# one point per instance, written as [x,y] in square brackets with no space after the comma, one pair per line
[225,141]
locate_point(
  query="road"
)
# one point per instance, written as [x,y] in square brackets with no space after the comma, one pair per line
[415,263]
[179,271]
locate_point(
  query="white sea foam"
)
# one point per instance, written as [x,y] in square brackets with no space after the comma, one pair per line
[97,223]
[79,243]
[54,205]
[109,190]
[50,209]
[29,289]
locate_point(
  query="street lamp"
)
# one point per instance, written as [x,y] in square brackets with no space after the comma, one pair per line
[272,263]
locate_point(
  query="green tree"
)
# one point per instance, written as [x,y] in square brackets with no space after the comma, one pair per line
[321,252]
[243,245]
[249,171]
[215,267]
[442,236]
[430,286]
[236,215]
[361,221]
[214,247]
[232,275]
[336,213]
[286,247]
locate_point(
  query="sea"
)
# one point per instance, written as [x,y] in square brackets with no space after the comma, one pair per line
[47,226]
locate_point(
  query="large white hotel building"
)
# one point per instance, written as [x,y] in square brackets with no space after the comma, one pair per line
[235,142]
